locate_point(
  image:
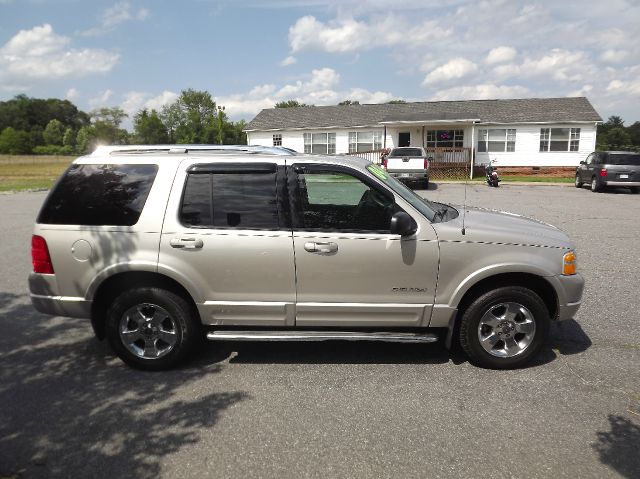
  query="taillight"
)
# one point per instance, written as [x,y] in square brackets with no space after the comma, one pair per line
[385,161]
[603,172]
[426,163]
[40,256]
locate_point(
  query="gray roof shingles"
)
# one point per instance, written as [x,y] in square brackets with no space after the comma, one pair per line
[487,111]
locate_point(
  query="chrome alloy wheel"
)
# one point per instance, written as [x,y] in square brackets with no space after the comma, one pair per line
[506,330]
[148,331]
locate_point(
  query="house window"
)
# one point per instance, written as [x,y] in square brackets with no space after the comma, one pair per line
[559,139]
[497,140]
[277,139]
[444,138]
[321,143]
[364,141]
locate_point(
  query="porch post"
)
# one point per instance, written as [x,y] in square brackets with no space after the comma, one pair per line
[384,141]
[473,142]
[422,136]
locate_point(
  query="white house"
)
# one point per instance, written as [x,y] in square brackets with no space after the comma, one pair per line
[519,132]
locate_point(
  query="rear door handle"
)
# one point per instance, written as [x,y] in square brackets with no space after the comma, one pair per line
[186,242]
[321,247]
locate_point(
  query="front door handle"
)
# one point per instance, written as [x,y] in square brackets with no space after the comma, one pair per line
[321,247]
[186,242]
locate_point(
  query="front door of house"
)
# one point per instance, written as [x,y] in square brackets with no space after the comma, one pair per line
[404,138]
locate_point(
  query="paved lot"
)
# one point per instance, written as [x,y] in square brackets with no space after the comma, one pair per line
[68,408]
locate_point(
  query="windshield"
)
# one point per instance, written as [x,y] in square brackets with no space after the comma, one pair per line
[406,152]
[429,209]
[624,159]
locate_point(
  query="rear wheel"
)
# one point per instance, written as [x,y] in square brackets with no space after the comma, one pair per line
[578,182]
[504,328]
[595,186]
[151,328]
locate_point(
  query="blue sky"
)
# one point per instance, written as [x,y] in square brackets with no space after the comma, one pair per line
[251,54]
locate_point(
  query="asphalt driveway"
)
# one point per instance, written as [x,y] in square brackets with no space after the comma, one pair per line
[69,408]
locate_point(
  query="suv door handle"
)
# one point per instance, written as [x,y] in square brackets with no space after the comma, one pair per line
[186,242]
[321,247]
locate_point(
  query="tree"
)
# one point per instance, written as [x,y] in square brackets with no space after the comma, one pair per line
[148,128]
[634,133]
[85,140]
[289,104]
[191,118]
[112,116]
[617,137]
[54,132]
[15,142]
[396,102]
[349,102]
[69,138]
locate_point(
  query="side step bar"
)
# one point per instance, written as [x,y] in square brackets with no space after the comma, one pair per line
[227,335]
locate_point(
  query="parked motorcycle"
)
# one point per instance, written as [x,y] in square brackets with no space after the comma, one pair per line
[492,175]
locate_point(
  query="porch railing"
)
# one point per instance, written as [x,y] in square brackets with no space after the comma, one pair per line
[446,163]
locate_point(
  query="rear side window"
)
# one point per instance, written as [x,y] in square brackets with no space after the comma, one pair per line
[240,200]
[624,159]
[99,195]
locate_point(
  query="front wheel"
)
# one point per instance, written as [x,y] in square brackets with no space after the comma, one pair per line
[152,328]
[504,328]
[578,182]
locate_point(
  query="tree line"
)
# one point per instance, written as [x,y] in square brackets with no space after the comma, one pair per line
[58,127]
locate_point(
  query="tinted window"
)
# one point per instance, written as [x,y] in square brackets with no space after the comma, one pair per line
[335,201]
[97,195]
[230,200]
[406,152]
[624,159]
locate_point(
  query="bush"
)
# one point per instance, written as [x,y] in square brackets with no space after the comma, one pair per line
[53,150]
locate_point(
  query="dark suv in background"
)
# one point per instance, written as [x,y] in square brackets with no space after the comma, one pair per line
[610,168]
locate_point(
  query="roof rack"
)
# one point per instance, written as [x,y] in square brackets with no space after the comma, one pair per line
[183,149]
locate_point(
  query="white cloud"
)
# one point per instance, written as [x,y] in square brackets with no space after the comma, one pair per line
[290,60]
[321,87]
[481,92]
[135,101]
[452,70]
[42,54]
[557,64]
[349,35]
[584,91]
[631,87]
[614,56]
[72,94]
[500,55]
[101,100]
[115,15]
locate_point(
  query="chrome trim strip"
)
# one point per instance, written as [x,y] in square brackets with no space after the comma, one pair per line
[622,183]
[321,336]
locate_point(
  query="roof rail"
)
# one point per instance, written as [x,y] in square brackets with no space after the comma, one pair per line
[142,149]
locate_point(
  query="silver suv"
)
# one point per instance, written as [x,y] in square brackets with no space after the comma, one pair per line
[164,246]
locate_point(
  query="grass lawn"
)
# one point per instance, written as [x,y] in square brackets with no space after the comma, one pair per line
[30,172]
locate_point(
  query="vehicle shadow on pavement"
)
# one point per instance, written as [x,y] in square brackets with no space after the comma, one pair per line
[565,338]
[328,352]
[69,408]
[619,448]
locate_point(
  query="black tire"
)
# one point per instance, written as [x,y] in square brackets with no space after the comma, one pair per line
[472,327]
[579,183]
[174,316]
[596,187]
[425,183]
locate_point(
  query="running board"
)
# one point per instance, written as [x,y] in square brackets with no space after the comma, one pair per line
[228,335]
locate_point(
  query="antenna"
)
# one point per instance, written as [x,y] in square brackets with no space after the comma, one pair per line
[464,204]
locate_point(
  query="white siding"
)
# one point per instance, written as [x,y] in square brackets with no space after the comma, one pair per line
[527,152]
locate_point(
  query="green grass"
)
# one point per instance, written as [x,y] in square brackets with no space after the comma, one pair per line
[511,179]
[30,172]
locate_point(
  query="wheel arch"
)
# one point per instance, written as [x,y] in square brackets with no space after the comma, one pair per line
[538,284]
[112,286]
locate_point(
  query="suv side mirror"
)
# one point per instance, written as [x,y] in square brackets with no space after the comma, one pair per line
[402,224]
[583,162]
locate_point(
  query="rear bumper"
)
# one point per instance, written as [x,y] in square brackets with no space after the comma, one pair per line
[409,175]
[44,297]
[621,183]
